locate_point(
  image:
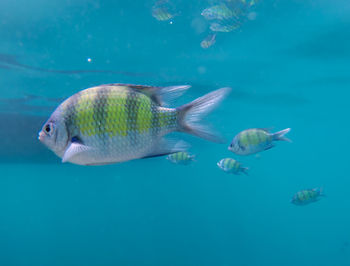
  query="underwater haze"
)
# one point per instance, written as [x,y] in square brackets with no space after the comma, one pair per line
[287,63]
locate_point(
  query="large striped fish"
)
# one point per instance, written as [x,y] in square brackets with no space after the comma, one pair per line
[117,122]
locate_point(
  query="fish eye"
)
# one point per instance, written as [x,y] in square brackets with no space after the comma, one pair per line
[47,128]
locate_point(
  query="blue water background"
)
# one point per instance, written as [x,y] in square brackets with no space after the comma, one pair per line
[288,68]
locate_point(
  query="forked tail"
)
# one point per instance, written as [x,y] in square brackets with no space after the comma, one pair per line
[245,170]
[280,135]
[189,115]
[320,191]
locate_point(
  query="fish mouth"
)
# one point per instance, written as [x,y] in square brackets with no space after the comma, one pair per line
[41,136]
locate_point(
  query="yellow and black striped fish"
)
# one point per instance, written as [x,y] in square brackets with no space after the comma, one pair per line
[117,122]
[307,196]
[181,157]
[255,140]
[161,14]
[230,165]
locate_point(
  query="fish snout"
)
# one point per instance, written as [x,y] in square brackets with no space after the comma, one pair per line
[41,136]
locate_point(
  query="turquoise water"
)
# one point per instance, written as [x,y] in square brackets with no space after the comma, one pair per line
[289,67]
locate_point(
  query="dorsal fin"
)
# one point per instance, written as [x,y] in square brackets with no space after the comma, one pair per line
[266,129]
[160,95]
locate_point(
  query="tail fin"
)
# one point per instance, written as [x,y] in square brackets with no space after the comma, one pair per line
[245,170]
[190,114]
[280,135]
[320,191]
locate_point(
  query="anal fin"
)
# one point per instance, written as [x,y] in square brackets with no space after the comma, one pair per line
[269,147]
[165,147]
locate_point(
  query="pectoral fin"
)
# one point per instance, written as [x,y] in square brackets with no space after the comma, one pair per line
[73,150]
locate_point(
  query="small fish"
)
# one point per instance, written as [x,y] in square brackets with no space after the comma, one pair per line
[120,122]
[162,13]
[307,196]
[208,41]
[218,27]
[255,140]
[162,10]
[219,12]
[181,157]
[230,165]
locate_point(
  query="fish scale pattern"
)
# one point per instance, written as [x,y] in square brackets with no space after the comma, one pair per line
[117,111]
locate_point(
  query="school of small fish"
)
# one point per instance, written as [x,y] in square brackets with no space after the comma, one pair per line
[222,16]
[120,122]
[228,15]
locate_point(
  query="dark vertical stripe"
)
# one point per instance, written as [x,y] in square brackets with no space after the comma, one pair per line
[99,112]
[249,146]
[228,164]
[258,134]
[131,109]
[155,123]
[300,195]
[237,140]
[70,113]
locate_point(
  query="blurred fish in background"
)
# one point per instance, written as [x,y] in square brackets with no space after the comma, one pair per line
[218,27]
[218,12]
[163,10]
[307,196]
[228,15]
[208,41]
